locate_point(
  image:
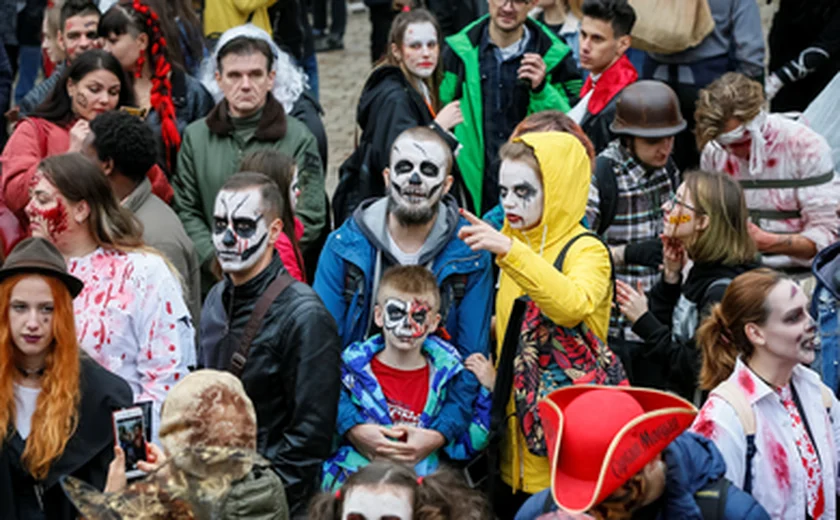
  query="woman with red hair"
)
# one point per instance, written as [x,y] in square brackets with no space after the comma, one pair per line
[55,403]
[170,98]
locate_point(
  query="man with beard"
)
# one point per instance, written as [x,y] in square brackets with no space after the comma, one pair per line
[274,334]
[634,176]
[416,223]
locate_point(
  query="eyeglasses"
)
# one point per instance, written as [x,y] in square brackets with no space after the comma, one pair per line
[517,4]
[674,201]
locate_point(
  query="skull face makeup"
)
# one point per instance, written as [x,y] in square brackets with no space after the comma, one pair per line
[417,177]
[521,194]
[240,232]
[406,323]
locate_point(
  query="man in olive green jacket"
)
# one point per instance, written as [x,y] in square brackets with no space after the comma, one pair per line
[248,118]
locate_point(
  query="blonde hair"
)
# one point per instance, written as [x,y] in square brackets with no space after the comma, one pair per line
[733,95]
[727,239]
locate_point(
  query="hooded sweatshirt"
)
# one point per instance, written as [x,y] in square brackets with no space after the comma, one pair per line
[581,293]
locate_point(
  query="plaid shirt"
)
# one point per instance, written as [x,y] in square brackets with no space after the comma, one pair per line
[638,217]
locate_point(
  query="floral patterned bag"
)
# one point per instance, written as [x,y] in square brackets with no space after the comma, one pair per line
[550,356]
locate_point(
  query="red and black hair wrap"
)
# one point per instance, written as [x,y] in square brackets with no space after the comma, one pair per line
[161,95]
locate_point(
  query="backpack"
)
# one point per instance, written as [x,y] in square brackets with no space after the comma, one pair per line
[824,310]
[547,356]
[730,392]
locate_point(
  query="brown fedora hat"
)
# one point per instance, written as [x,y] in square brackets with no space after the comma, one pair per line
[40,256]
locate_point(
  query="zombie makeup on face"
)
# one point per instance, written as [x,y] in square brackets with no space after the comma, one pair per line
[521,194]
[679,216]
[80,34]
[385,503]
[240,232]
[417,175]
[97,92]
[420,49]
[406,321]
[790,332]
[294,190]
[47,212]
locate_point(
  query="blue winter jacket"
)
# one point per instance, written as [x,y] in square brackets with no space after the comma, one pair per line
[693,463]
[361,392]
[351,265]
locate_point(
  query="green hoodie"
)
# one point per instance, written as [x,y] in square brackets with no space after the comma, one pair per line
[462,80]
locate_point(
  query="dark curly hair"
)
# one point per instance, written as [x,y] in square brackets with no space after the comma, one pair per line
[126,140]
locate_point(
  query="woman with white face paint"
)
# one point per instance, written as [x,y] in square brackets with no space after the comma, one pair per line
[385,490]
[544,181]
[705,222]
[775,423]
[401,93]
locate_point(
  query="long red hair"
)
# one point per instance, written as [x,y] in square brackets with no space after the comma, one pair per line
[56,411]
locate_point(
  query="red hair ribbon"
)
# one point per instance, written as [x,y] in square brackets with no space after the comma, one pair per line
[420,481]
[338,494]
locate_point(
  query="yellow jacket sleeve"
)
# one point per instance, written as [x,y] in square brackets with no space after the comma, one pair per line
[569,297]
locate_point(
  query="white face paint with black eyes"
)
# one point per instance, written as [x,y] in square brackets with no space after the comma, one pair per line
[384,503]
[240,232]
[521,194]
[406,322]
[417,174]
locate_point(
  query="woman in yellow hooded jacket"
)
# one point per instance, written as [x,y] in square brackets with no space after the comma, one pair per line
[544,182]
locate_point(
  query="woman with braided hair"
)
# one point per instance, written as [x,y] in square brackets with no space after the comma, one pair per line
[135,34]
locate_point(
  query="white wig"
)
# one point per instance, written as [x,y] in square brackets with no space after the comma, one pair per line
[289,80]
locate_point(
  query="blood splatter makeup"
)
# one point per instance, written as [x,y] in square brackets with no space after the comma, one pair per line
[47,210]
[521,194]
[407,321]
[240,232]
[680,216]
[790,334]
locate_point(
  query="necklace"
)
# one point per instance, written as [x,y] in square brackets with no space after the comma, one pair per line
[37,372]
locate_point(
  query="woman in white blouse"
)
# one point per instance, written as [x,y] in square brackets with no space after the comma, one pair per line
[130,316]
[772,419]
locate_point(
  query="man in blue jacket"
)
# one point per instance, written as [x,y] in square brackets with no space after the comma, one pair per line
[416,223]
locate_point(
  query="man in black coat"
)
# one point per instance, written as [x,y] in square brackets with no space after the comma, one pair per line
[290,369]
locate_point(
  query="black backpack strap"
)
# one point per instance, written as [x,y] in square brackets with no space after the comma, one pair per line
[711,499]
[558,264]
[750,455]
[607,193]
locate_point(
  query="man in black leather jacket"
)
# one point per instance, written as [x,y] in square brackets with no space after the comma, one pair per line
[292,368]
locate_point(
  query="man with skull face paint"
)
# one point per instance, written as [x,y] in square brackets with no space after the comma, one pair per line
[417,223]
[292,367]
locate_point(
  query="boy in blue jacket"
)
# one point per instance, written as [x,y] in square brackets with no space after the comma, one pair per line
[399,382]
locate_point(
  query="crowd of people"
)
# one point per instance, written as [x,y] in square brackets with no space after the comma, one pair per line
[572,269]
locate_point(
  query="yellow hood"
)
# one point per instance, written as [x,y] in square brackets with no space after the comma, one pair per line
[566,177]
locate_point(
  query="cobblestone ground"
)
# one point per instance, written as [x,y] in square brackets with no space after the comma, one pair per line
[342,76]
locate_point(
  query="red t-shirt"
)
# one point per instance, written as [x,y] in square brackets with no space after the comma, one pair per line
[405,391]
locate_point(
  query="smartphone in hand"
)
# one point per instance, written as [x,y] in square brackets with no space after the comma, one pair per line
[130,435]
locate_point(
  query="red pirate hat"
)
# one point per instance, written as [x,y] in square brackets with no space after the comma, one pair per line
[608,434]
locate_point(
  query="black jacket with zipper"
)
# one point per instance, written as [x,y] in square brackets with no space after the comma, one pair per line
[703,287]
[86,456]
[291,375]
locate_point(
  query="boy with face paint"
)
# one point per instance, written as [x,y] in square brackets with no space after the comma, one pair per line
[291,371]
[77,33]
[417,223]
[400,381]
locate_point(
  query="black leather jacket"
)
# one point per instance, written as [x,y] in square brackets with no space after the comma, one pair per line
[597,126]
[292,373]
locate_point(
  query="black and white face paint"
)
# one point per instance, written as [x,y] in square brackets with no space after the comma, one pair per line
[417,175]
[240,232]
[521,194]
[406,322]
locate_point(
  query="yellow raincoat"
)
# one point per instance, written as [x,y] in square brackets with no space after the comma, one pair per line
[582,292]
[221,15]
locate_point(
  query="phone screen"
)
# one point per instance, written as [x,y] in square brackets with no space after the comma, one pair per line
[131,435]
